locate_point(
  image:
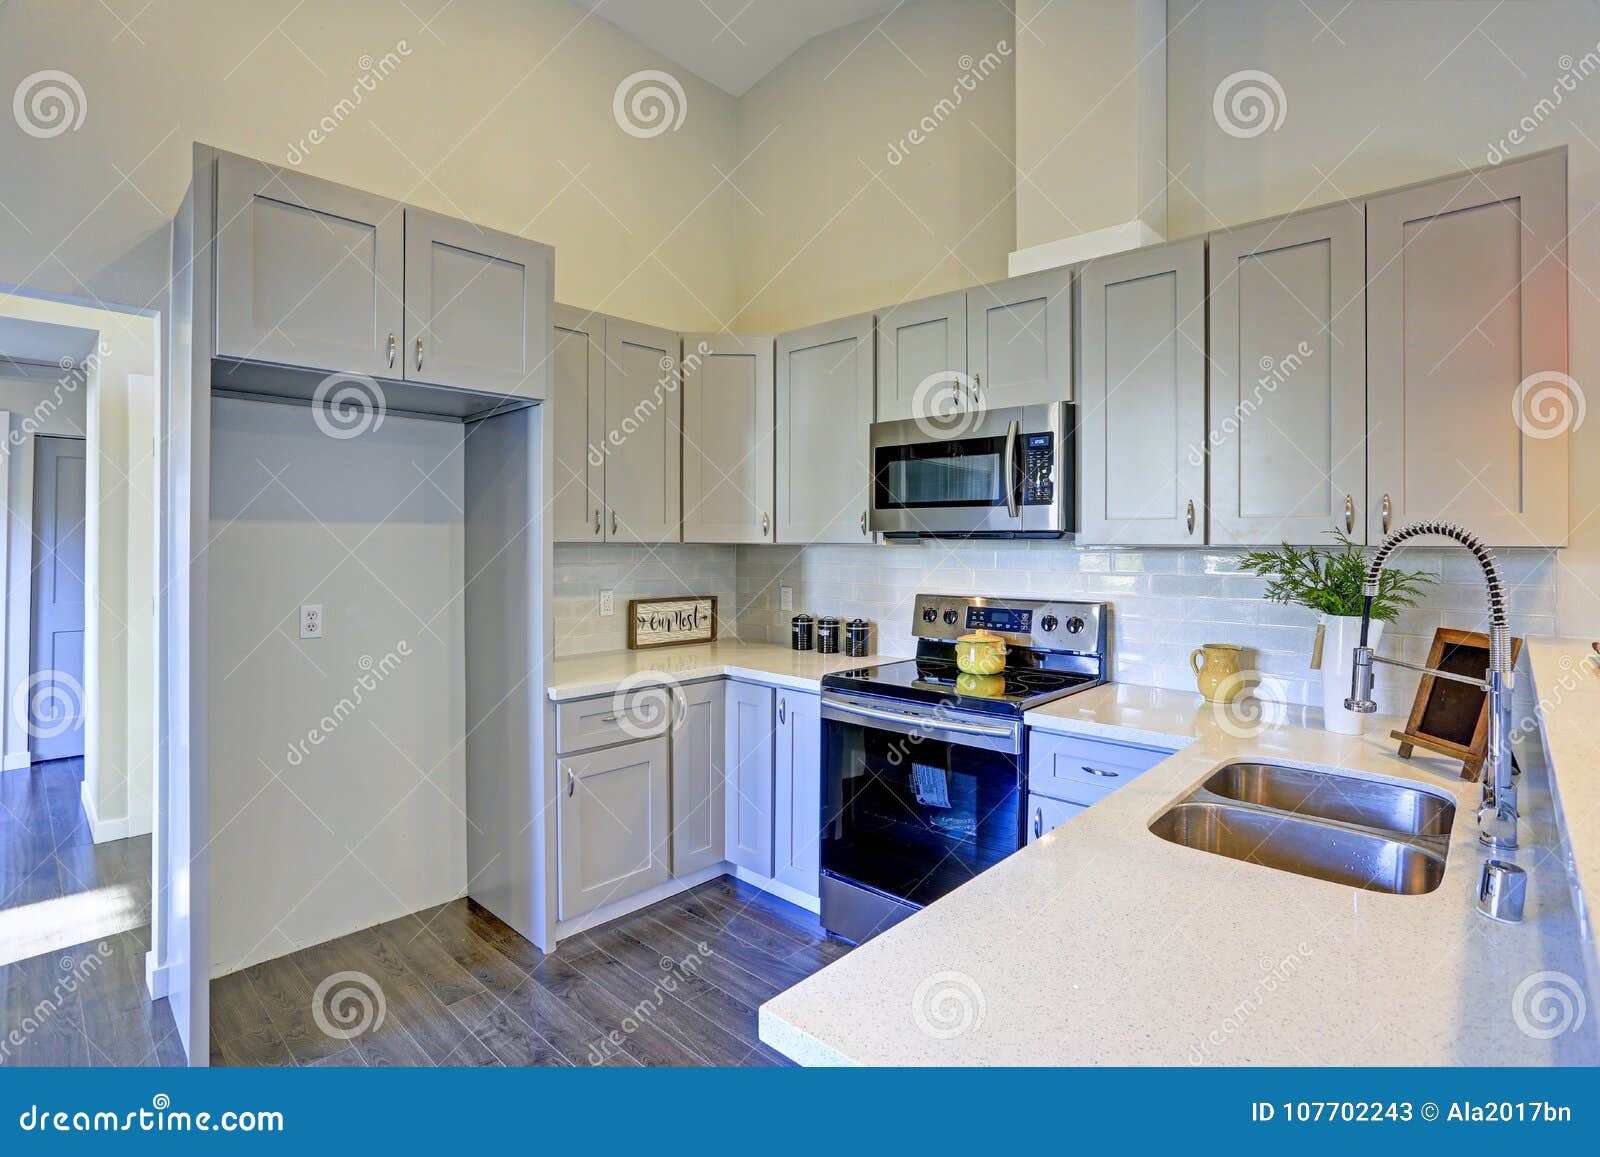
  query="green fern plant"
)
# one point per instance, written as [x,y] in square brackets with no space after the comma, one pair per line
[1330,581]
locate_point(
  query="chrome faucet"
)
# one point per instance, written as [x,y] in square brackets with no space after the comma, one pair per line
[1497,810]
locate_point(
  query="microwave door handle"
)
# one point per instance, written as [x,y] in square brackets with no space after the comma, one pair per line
[1013,432]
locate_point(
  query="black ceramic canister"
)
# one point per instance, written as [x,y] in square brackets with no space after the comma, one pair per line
[828,635]
[800,632]
[857,636]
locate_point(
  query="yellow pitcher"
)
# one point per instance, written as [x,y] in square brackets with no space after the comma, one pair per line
[1216,671]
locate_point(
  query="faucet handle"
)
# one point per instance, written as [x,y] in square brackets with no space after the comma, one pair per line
[1360,699]
[1502,891]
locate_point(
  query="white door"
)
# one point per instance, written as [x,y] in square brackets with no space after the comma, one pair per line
[1142,396]
[642,442]
[797,792]
[748,719]
[1288,379]
[824,415]
[1019,340]
[922,346]
[308,273]
[54,696]
[578,392]
[613,816]
[1467,354]
[477,307]
[727,438]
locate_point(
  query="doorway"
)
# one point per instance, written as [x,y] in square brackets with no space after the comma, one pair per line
[55,687]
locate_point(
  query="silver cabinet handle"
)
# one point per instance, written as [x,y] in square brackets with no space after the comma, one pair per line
[766,524]
[863,524]
[976,401]
[1190,518]
[1349,514]
[1101,772]
[394,346]
[1038,822]
[419,353]
[572,782]
[783,714]
[613,521]
[597,520]
[1388,512]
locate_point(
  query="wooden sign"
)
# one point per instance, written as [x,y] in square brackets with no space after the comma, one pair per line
[671,621]
[1448,717]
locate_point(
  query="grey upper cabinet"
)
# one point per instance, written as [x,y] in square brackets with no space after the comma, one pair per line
[749,750]
[309,273]
[727,438]
[1467,353]
[1141,397]
[1019,340]
[699,815]
[916,341]
[578,389]
[613,816]
[797,792]
[1288,379]
[476,307]
[642,440]
[824,410]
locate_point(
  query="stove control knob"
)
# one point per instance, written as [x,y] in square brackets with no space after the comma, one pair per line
[929,614]
[1074,625]
[950,616]
[1049,623]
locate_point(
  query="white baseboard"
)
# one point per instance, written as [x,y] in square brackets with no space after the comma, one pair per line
[17,759]
[782,891]
[101,830]
[1133,234]
[155,977]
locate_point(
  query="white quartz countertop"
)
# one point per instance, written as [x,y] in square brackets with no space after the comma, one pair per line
[585,675]
[1104,944]
[1566,679]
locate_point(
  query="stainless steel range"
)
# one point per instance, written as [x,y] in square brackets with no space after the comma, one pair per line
[925,773]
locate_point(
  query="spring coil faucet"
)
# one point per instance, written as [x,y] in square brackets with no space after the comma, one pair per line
[1497,810]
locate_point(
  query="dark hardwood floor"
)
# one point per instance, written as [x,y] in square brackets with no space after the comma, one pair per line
[74,930]
[675,984]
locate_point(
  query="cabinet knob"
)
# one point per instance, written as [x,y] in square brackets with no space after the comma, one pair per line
[394,346]
[1349,514]
[1388,513]
[419,353]
[1190,516]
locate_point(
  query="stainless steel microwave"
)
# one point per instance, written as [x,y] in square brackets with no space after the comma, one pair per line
[1006,473]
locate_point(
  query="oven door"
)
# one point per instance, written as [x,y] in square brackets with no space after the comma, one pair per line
[913,808]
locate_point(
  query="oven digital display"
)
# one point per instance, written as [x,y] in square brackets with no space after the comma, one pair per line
[1017,622]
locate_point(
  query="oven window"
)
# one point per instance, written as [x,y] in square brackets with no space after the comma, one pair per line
[964,472]
[915,817]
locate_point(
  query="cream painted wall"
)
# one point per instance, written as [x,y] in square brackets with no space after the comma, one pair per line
[1384,92]
[827,224]
[498,111]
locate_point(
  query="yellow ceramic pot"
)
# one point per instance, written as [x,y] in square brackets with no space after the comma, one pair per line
[981,653]
[981,686]
[1216,671]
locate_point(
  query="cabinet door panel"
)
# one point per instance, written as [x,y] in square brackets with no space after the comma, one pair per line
[613,814]
[727,438]
[1019,340]
[699,816]
[642,441]
[916,341]
[1141,405]
[749,774]
[1045,815]
[477,307]
[824,415]
[1467,301]
[308,272]
[1288,379]
[578,396]
[797,803]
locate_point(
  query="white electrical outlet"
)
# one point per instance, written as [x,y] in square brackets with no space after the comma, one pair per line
[608,603]
[786,598]
[311,621]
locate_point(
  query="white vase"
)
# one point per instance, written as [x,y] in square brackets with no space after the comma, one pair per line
[1341,633]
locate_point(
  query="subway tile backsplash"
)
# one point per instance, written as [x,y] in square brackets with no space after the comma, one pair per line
[1165,601]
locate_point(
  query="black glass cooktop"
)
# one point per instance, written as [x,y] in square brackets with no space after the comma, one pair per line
[1014,690]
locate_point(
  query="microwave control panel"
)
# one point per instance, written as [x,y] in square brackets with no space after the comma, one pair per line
[1038,469]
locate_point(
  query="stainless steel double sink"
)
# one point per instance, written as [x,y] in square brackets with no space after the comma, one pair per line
[1364,833]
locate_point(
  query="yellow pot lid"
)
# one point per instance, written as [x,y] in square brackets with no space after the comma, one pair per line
[981,637]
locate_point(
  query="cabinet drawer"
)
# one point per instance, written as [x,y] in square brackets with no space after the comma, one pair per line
[1084,770]
[585,724]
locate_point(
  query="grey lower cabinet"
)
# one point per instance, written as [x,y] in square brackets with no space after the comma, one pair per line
[1019,340]
[1142,397]
[797,791]
[578,388]
[1288,404]
[1470,403]
[824,409]
[727,438]
[641,445]
[699,814]
[1068,774]
[1046,815]
[749,733]
[613,817]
